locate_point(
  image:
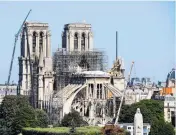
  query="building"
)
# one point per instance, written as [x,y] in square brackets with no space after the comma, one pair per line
[81,80]
[77,53]
[89,93]
[169,108]
[77,37]
[138,127]
[130,128]
[170,87]
[36,79]
[137,94]
[139,89]
[170,81]
[12,90]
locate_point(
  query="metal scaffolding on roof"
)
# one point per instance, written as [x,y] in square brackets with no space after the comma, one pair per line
[66,63]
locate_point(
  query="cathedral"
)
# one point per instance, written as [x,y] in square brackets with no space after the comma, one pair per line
[75,77]
[36,58]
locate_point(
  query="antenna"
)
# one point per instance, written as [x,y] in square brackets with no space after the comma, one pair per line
[116,45]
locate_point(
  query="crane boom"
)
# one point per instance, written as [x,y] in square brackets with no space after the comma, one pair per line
[118,113]
[16,39]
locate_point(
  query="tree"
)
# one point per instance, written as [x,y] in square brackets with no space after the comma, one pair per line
[153,113]
[150,109]
[41,118]
[73,117]
[160,127]
[16,113]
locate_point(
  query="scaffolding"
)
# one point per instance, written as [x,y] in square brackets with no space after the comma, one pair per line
[66,63]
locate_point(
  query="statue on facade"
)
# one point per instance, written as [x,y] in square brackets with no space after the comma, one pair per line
[117,69]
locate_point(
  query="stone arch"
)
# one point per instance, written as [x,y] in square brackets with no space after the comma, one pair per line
[83,41]
[69,100]
[34,41]
[41,35]
[76,41]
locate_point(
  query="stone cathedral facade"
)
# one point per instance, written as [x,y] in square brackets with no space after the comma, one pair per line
[77,37]
[38,36]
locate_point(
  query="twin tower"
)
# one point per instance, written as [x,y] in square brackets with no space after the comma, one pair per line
[75,37]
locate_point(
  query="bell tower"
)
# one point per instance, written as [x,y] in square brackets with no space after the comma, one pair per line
[40,53]
[77,37]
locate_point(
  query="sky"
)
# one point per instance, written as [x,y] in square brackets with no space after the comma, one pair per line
[146,32]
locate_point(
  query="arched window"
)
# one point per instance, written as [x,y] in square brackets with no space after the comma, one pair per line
[41,42]
[76,41]
[34,37]
[83,42]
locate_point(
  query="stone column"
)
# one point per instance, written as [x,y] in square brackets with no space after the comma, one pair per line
[44,45]
[114,108]
[103,92]
[90,40]
[87,91]
[49,45]
[37,45]
[71,42]
[67,41]
[70,46]
[95,90]
[29,77]
[86,43]
[24,75]
[25,46]
[30,43]
[40,87]
[79,41]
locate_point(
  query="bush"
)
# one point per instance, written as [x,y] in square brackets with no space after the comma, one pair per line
[73,117]
[113,130]
[15,113]
[41,118]
[62,131]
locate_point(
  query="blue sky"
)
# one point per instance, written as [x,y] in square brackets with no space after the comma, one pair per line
[146,31]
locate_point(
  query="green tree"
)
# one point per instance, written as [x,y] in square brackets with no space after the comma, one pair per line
[160,127]
[16,113]
[150,109]
[41,118]
[73,117]
[153,113]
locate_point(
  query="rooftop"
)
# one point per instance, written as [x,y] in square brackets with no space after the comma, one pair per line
[93,74]
[35,23]
[83,25]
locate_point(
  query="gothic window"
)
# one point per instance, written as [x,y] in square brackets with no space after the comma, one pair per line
[83,42]
[41,42]
[34,37]
[76,41]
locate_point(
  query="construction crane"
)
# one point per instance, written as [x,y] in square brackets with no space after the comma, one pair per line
[16,39]
[128,80]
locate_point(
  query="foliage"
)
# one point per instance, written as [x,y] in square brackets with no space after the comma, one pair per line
[113,130]
[16,113]
[77,119]
[41,118]
[153,113]
[150,110]
[159,127]
[62,131]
